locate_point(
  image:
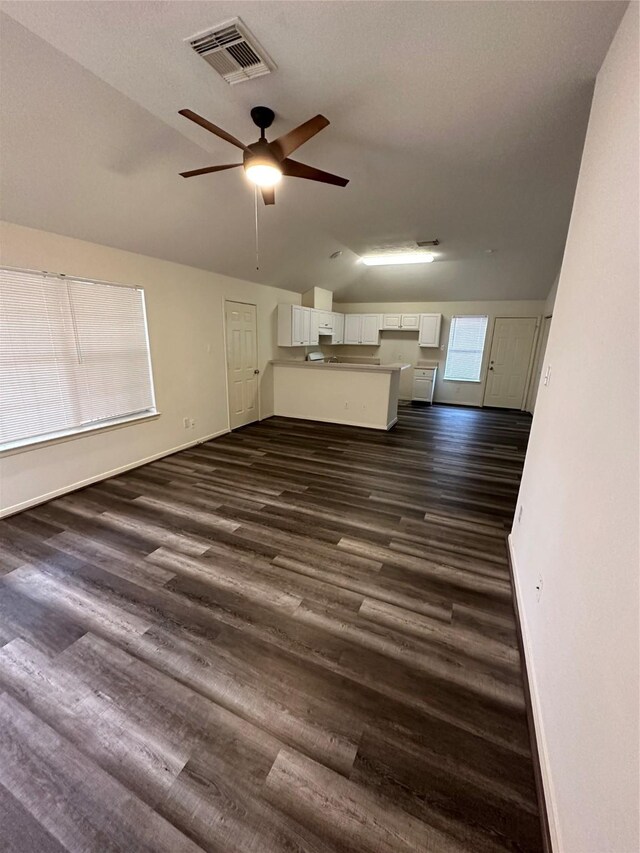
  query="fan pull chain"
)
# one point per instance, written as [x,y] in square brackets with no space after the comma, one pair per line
[257,241]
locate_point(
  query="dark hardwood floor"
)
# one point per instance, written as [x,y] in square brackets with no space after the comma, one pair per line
[298,637]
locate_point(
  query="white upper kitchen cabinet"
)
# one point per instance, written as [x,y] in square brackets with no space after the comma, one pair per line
[410,321]
[325,321]
[429,333]
[370,329]
[400,322]
[294,326]
[362,329]
[337,336]
[314,325]
[352,328]
[391,321]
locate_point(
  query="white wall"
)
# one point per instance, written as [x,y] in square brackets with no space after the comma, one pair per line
[185,315]
[403,346]
[579,493]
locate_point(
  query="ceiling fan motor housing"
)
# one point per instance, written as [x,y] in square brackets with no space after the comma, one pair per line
[259,154]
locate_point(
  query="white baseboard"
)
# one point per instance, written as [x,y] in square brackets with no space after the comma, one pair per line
[543,753]
[338,422]
[12,510]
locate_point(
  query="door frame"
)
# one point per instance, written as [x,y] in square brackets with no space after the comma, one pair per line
[534,349]
[538,363]
[226,299]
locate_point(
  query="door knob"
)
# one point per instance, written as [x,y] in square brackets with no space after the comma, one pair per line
[491,368]
[256,371]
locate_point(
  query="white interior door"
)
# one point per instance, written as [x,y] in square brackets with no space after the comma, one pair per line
[509,361]
[242,363]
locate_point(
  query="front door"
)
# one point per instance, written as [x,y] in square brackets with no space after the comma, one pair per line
[510,361]
[242,363]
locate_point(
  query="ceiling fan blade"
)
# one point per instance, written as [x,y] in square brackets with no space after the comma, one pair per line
[293,169]
[268,195]
[288,142]
[208,169]
[212,128]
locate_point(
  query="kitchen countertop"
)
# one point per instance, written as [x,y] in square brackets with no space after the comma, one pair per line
[311,365]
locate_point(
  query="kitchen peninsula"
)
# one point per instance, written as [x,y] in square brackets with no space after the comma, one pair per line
[364,395]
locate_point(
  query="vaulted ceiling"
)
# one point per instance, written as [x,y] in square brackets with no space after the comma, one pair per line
[457,120]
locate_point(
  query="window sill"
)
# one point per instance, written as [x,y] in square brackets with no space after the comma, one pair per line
[13,447]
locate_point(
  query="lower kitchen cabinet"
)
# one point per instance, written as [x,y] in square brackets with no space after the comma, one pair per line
[424,380]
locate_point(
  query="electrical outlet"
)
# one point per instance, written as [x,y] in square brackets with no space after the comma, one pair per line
[192,423]
[539,587]
[520,514]
[547,375]
[346,404]
[185,421]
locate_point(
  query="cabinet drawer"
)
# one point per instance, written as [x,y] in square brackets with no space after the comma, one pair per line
[423,373]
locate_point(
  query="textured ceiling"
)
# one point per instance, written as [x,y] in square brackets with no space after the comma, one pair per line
[462,121]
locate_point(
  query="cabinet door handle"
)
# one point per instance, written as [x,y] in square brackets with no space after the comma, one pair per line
[256,371]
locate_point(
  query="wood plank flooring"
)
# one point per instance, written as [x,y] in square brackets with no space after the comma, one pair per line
[297,637]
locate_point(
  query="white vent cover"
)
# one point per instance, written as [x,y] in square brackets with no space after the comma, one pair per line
[233,52]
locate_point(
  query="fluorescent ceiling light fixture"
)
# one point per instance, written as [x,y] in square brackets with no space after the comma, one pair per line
[263,174]
[398,258]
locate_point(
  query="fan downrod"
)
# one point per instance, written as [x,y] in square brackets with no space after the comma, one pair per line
[262,117]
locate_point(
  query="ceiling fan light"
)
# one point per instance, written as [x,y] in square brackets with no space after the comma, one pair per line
[263,174]
[393,258]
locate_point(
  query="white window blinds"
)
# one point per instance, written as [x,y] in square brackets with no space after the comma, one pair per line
[466,346]
[72,354]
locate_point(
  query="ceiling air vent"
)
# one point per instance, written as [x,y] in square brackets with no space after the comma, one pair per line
[232,51]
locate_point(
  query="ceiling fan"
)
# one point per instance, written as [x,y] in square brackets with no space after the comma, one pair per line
[266,162]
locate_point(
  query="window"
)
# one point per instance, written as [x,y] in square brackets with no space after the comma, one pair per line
[466,345]
[73,355]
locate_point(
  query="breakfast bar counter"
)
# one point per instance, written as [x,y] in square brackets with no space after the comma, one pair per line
[364,395]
